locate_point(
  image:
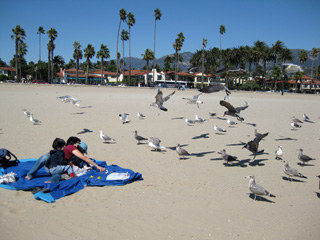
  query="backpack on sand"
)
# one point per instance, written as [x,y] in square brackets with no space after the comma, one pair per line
[5,158]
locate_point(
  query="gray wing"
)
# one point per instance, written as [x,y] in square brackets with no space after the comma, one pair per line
[159,99]
[227,105]
[156,141]
[259,190]
[196,97]
[215,87]
[168,97]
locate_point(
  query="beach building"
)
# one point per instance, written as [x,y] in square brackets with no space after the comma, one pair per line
[8,71]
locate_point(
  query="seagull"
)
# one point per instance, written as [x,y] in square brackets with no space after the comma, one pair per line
[232,111]
[26,112]
[304,158]
[279,153]
[189,121]
[105,137]
[181,152]
[231,123]
[194,100]
[260,135]
[124,117]
[218,130]
[295,125]
[72,100]
[140,115]
[63,98]
[256,189]
[154,143]
[253,146]
[296,120]
[199,119]
[305,117]
[139,138]
[35,121]
[291,172]
[160,100]
[228,158]
[215,87]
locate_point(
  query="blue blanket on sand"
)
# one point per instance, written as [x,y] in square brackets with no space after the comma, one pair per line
[66,187]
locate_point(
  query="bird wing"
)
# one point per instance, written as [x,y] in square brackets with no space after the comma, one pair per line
[215,87]
[155,141]
[257,189]
[169,96]
[196,97]
[227,105]
[159,99]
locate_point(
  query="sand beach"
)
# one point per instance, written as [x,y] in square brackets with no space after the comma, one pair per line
[196,198]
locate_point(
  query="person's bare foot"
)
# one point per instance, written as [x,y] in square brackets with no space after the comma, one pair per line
[28,177]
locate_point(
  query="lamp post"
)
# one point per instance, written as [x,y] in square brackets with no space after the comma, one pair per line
[36,70]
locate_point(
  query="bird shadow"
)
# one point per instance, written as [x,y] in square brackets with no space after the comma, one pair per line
[204,135]
[257,162]
[305,164]
[174,147]
[220,133]
[308,121]
[86,107]
[220,118]
[250,124]
[177,118]
[318,194]
[78,113]
[107,142]
[85,130]
[292,180]
[286,139]
[260,199]
[201,154]
[236,144]
[184,158]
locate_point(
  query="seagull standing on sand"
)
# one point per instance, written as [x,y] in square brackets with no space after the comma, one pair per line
[295,125]
[218,129]
[160,100]
[296,120]
[189,121]
[194,100]
[181,152]
[232,111]
[199,119]
[231,123]
[138,138]
[105,137]
[35,121]
[140,115]
[305,117]
[154,143]
[256,189]
[279,153]
[304,158]
[291,172]
[228,158]
[124,117]
[25,112]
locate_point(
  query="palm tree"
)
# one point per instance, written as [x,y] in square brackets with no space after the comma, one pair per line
[222,30]
[88,53]
[258,49]
[177,46]
[314,55]
[53,34]
[130,21]
[124,37]
[275,51]
[157,16]
[123,17]
[147,56]
[103,53]
[285,55]
[40,31]
[276,75]
[19,35]
[297,76]
[77,54]
[22,51]
[204,45]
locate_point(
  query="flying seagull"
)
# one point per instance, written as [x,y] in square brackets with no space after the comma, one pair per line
[160,100]
[35,121]
[138,138]
[232,111]
[71,100]
[194,100]
[253,146]
[279,153]
[260,135]
[181,152]
[228,158]
[105,137]
[291,172]
[304,158]
[256,189]
[154,143]
[124,117]
[215,87]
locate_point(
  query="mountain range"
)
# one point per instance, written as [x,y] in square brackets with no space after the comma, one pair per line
[137,63]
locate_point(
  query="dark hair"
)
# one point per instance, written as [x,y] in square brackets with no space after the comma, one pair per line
[73,140]
[58,143]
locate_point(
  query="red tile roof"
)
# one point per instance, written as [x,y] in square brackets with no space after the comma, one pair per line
[11,69]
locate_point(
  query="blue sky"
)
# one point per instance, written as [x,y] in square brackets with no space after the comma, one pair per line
[295,23]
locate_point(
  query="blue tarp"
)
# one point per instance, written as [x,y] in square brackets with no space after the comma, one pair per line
[66,187]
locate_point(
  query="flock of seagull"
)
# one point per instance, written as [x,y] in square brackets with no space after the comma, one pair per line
[253,145]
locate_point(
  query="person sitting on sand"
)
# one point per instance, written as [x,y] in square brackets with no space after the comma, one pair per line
[73,154]
[57,164]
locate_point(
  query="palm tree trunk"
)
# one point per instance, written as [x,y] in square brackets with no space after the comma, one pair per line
[117,50]
[49,66]
[202,68]
[17,70]
[129,57]
[154,45]
[101,70]
[77,66]
[87,73]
